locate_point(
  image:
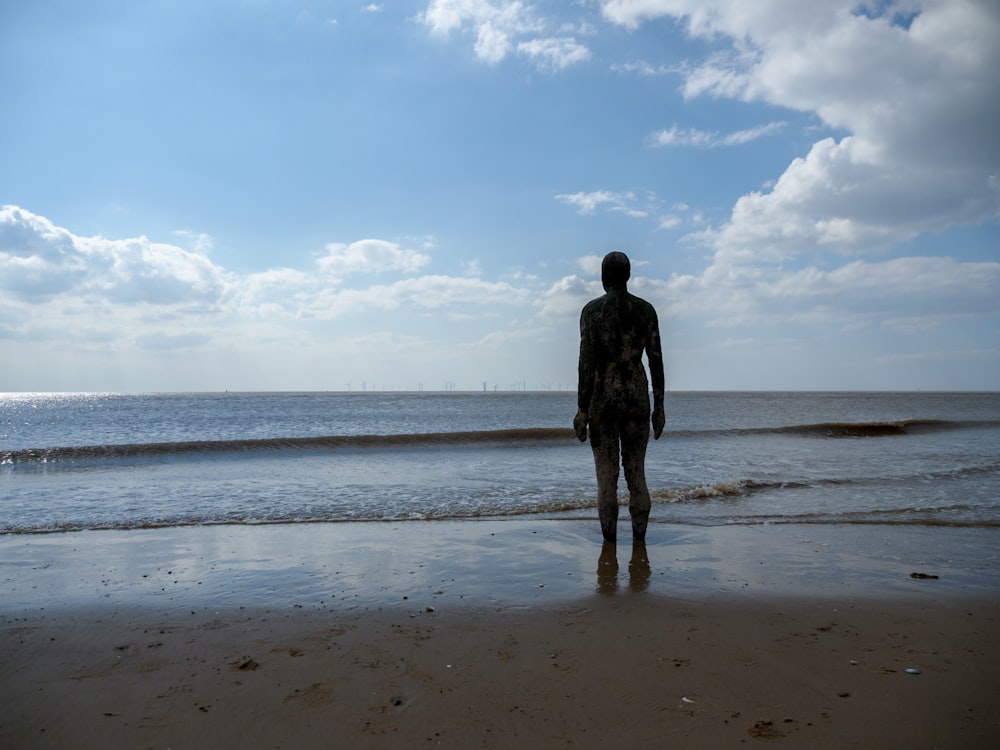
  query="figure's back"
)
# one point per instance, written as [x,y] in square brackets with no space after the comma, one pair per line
[616,329]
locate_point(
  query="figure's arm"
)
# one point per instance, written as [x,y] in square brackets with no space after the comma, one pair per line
[655,356]
[585,380]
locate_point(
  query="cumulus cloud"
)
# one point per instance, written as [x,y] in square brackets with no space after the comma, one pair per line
[55,285]
[370,256]
[39,260]
[319,295]
[876,290]
[905,294]
[912,83]
[590,265]
[835,199]
[94,303]
[568,295]
[505,27]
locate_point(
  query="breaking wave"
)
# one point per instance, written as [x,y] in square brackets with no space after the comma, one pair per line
[324,443]
[851,429]
[455,439]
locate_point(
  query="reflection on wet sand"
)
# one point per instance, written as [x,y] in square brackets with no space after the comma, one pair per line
[607,568]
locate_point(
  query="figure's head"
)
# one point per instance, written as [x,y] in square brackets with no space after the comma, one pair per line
[615,271]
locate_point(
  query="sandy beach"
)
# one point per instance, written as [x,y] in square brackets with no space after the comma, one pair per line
[499,634]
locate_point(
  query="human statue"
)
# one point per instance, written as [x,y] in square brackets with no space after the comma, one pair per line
[613,393]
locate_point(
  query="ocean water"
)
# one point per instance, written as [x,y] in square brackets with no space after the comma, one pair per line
[103,461]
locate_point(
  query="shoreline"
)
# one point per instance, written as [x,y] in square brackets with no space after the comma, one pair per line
[508,562]
[499,634]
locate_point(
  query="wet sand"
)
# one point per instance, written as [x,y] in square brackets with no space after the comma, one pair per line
[498,634]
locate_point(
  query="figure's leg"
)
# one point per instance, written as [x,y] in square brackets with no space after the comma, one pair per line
[635,436]
[604,443]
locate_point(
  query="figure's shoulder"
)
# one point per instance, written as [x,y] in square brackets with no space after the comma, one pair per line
[594,305]
[640,304]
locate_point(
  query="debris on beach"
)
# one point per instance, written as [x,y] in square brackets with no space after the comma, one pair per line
[247,665]
[764,729]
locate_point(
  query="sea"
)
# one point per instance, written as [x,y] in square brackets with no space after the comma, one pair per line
[87,461]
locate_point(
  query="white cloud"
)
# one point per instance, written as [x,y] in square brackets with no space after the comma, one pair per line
[913,83]
[427,292]
[198,242]
[554,53]
[323,294]
[643,68]
[369,256]
[504,27]
[679,137]
[590,265]
[588,203]
[56,285]
[938,284]
[86,302]
[498,339]
[567,296]
[493,22]
[40,261]
[751,134]
[445,16]
[902,294]
[676,136]
[492,43]
[835,199]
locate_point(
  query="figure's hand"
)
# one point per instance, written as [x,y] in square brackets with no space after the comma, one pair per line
[580,425]
[658,422]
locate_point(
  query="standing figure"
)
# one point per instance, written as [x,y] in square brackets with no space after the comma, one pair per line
[613,393]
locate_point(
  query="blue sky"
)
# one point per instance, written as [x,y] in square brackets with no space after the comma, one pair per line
[261,194]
